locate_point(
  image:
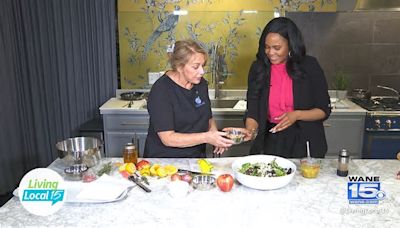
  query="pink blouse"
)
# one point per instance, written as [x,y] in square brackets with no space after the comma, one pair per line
[280,93]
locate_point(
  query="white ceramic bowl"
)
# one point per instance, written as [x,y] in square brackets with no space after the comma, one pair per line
[178,189]
[263,183]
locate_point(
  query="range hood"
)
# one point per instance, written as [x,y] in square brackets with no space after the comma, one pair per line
[377,5]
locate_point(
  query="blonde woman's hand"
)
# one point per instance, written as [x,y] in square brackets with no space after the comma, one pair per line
[220,150]
[248,134]
[218,139]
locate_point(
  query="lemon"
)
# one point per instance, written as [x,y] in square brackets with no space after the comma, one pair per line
[161,172]
[145,172]
[205,166]
[153,169]
[130,167]
[122,167]
[171,169]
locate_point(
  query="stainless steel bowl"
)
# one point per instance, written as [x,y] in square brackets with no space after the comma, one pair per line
[203,182]
[75,172]
[80,150]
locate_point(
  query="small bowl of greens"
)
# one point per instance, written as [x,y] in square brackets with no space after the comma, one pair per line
[236,136]
[263,172]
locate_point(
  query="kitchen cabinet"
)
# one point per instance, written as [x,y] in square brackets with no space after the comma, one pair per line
[344,132]
[230,119]
[120,129]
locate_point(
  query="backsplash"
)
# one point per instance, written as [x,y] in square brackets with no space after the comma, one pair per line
[364,45]
[148,27]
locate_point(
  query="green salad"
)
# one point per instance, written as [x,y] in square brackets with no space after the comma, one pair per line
[262,169]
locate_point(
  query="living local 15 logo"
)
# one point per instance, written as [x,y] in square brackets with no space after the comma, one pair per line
[364,190]
[42,191]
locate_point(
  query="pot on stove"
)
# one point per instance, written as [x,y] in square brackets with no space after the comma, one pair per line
[361,94]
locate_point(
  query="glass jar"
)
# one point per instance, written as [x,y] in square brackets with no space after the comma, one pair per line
[130,153]
[343,163]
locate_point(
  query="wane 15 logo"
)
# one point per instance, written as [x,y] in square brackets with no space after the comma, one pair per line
[364,190]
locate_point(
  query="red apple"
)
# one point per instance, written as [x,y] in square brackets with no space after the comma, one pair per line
[142,164]
[176,177]
[225,182]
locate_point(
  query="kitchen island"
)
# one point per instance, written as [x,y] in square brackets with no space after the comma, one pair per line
[320,202]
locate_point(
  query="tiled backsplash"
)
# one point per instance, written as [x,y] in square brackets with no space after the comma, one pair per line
[365,45]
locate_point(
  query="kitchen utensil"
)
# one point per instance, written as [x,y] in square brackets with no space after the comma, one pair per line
[80,150]
[361,94]
[263,183]
[193,172]
[308,150]
[203,182]
[132,96]
[75,172]
[139,183]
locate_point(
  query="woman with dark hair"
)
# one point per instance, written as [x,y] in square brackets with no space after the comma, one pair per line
[181,121]
[287,96]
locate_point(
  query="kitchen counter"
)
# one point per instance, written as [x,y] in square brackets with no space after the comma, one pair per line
[118,106]
[320,202]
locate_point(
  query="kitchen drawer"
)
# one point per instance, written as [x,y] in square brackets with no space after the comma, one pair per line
[126,122]
[344,132]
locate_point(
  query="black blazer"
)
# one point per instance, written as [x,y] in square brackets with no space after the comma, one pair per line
[310,91]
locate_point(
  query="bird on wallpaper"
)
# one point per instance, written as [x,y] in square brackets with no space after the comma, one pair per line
[166,25]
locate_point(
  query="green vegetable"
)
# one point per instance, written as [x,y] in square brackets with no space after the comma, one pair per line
[105,169]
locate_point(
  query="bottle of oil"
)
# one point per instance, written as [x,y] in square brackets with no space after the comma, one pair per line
[130,153]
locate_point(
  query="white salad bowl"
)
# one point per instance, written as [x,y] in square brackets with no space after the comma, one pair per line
[263,183]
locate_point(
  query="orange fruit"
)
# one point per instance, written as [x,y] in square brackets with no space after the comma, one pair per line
[170,169]
[153,169]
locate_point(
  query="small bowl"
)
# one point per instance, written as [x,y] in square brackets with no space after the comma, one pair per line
[75,172]
[203,182]
[178,189]
[310,167]
[236,136]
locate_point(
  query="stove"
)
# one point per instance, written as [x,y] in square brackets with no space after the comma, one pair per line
[382,127]
[379,104]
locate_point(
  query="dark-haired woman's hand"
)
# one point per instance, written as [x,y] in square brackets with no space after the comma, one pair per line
[285,120]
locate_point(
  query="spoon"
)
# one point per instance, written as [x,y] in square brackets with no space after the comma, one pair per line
[308,150]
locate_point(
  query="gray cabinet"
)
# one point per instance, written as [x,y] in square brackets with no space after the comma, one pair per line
[344,132]
[120,129]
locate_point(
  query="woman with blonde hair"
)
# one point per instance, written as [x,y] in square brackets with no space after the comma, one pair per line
[181,121]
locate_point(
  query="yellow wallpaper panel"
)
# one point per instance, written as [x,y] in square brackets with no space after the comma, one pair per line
[145,31]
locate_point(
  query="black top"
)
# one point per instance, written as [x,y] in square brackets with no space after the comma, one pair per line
[174,108]
[310,91]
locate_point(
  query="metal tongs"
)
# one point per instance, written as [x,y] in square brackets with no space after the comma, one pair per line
[136,179]
[194,172]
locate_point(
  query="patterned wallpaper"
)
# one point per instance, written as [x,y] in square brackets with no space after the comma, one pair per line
[148,27]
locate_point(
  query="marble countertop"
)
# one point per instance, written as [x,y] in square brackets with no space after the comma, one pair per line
[118,106]
[320,202]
